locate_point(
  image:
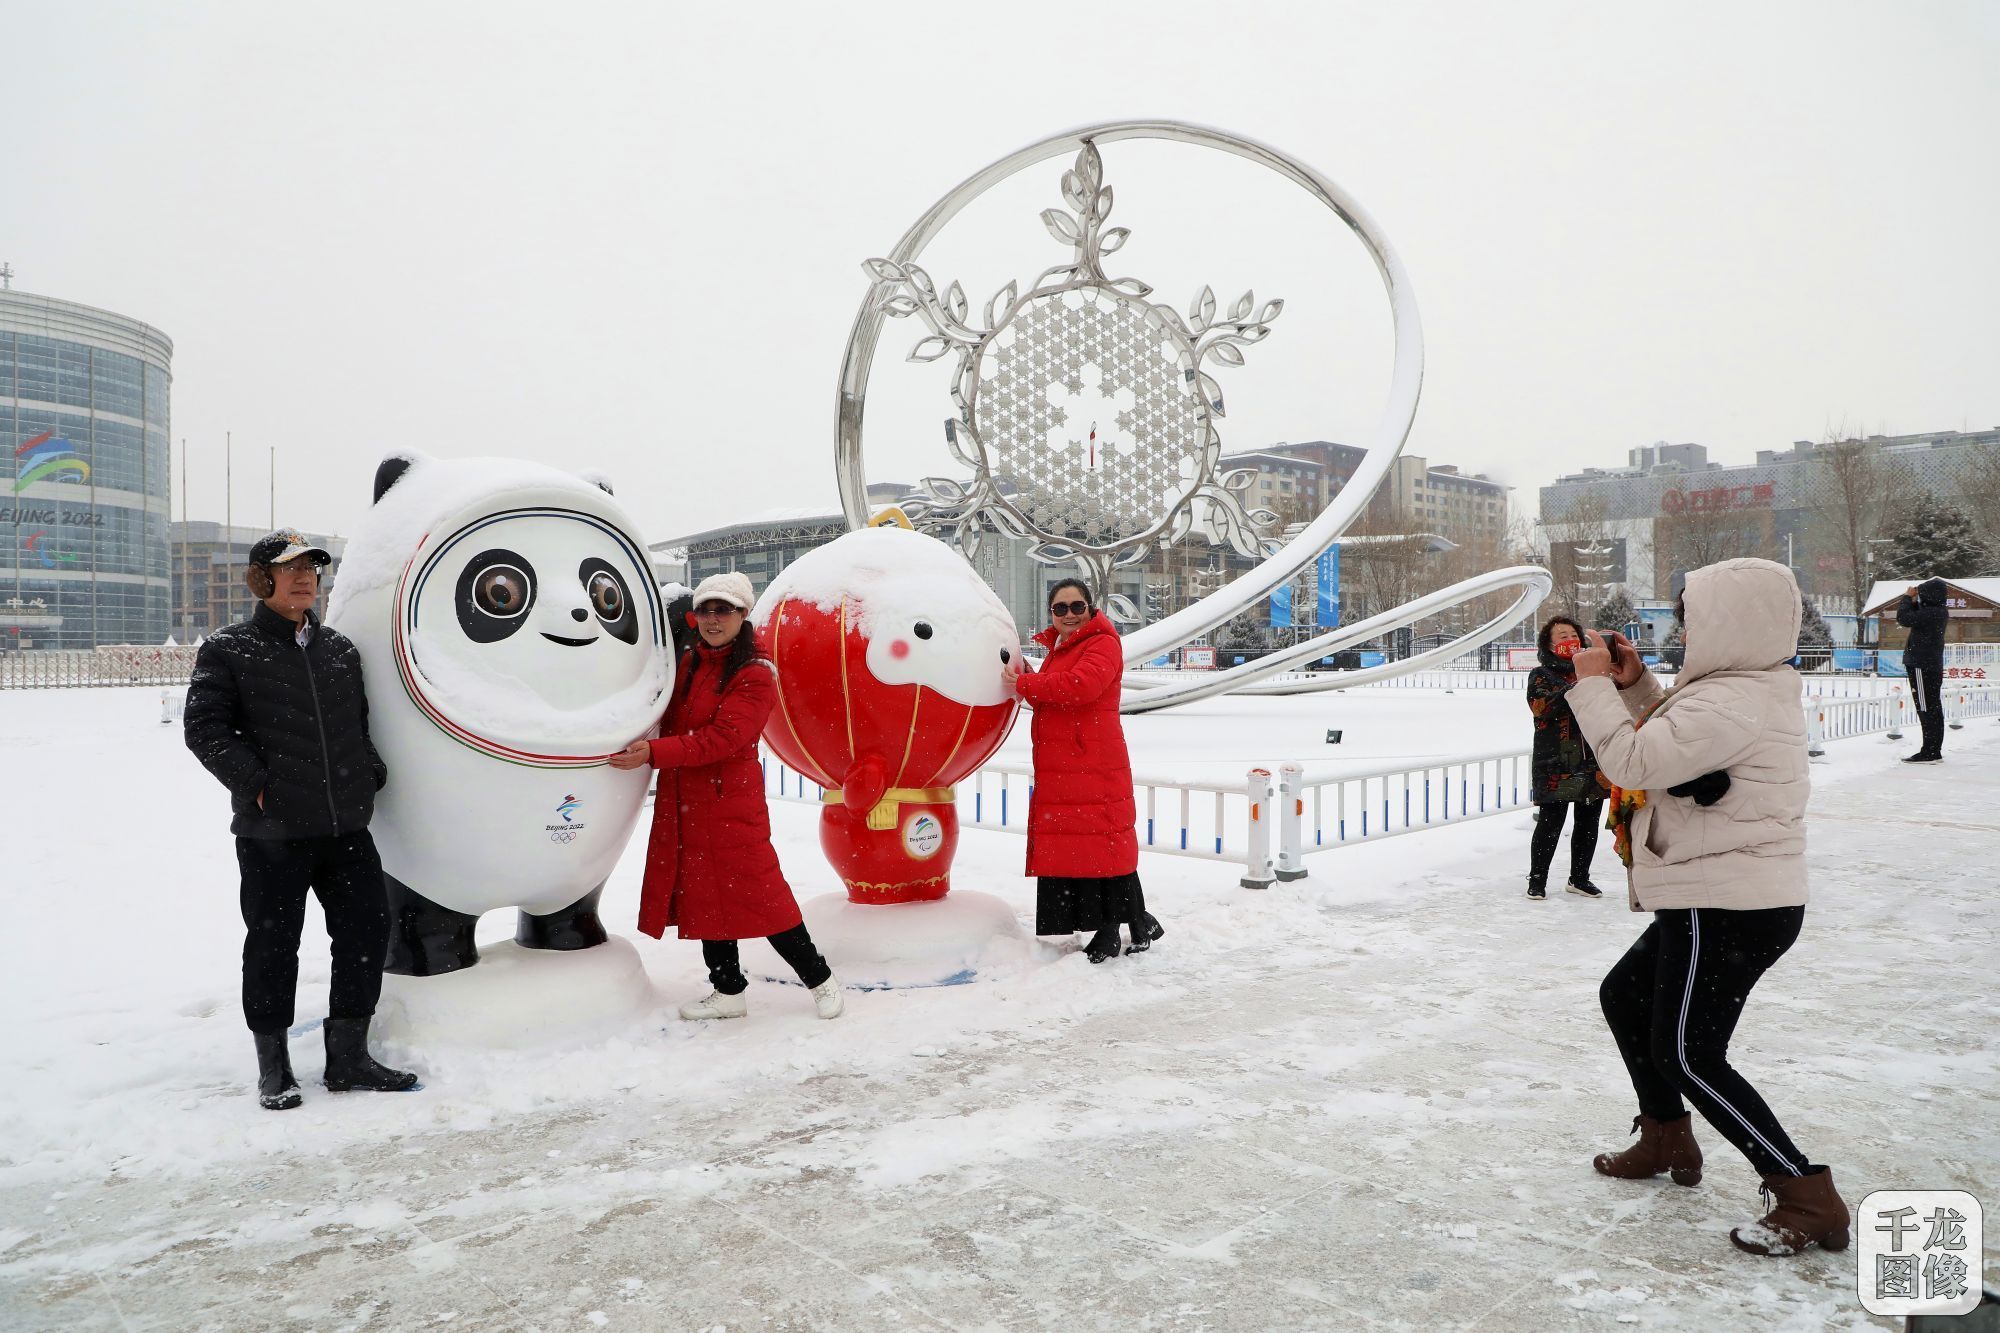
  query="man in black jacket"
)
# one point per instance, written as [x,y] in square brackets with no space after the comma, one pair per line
[1922,612]
[275,710]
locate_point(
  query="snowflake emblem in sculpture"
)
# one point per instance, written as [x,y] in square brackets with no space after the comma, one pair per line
[1086,412]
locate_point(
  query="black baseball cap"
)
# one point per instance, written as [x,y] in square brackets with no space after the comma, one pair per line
[287,544]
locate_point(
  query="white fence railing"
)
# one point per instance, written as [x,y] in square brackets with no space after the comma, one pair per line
[1890,713]
[67,668]
[1178,818]
[1280,815]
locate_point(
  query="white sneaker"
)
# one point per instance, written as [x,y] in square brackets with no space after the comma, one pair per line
[716,1005]
[826,998]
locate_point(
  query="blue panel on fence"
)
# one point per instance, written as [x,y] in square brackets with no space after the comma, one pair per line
[1850,659]
[1329,587]
[1373,659]
[1889,663]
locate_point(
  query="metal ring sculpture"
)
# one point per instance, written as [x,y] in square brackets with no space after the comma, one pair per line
[1161,356]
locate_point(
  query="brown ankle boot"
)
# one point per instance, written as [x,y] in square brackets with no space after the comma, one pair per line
[1664,1145]
[1808,1212]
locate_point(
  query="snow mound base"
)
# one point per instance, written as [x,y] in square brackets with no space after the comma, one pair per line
[519,998]
[956,939]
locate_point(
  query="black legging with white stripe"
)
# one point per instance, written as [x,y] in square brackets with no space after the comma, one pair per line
[1672,1002]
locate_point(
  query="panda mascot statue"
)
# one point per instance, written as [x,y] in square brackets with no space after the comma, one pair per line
[512,638]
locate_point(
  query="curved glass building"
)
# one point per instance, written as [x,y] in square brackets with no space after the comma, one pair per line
[83,476]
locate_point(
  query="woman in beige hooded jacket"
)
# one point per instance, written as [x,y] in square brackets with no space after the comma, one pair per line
[1713,788]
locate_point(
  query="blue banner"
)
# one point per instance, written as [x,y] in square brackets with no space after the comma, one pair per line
[1329,587]
[1281,607]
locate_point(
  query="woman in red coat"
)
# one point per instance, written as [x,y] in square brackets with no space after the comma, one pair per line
[710,866]
[1082,845]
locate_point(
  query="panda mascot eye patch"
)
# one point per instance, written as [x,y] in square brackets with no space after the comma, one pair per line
[610,599]
[495,591]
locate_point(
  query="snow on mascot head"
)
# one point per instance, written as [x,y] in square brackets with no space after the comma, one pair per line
[888,650]
[512,639]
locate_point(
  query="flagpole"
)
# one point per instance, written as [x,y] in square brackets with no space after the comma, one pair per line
[187,571]
[228,525]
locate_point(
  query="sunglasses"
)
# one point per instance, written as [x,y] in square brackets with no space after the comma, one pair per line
[1069,608]
[718,609]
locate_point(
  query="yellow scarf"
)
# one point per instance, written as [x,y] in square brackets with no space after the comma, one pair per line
[1624,804]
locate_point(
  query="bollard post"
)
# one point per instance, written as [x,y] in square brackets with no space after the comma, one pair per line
[1955,723]
[1896,713]
[1291,822]
[1815,731]
[1259,870]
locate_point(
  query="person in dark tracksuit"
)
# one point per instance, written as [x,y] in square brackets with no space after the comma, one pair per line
[1922,612]
[276,711]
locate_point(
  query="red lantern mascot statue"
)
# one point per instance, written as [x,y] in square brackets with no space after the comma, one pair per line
[888,650]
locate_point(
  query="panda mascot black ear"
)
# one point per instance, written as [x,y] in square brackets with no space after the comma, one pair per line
[389,473]
[680,611]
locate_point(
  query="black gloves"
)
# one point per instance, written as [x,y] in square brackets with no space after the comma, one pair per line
[1706,789]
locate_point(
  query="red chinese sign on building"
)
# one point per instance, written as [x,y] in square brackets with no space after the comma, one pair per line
[1757,496]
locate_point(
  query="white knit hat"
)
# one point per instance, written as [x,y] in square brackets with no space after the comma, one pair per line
[732,587]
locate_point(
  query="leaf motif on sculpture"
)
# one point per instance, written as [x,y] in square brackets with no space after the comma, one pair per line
[1062,226]
[1003,302]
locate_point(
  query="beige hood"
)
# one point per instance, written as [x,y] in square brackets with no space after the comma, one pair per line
[1742,615]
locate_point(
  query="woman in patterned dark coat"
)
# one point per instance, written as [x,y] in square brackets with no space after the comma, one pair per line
[1565,771]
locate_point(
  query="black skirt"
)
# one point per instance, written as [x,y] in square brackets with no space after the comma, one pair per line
[1065,904]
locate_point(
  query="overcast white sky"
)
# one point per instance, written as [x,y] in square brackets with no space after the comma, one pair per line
[628,237]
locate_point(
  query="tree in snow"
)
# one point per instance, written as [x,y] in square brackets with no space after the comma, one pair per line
[1815,638]
[1813,631]
[1615,613]
[1933,539]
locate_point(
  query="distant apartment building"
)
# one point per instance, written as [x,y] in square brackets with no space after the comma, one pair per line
[1417,497]
[1670,509]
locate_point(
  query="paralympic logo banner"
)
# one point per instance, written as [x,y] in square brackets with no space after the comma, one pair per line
[48,457]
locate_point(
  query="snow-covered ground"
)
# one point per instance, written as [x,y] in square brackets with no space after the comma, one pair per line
[1368,1099]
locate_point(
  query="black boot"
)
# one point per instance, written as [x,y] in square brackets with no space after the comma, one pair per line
[277,1090]
[1144,931]
[349,1067]
[1538,887]
[1103,945]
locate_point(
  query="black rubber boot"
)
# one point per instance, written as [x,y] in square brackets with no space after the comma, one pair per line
[1144,931]
[1102,945]
[349,1067]
[277,1090]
